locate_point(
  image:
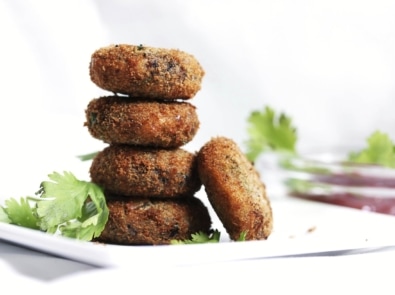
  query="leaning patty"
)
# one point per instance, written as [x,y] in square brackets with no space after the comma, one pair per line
[117,119]
[148,72]
[152,221]
[235,190]
[146,172]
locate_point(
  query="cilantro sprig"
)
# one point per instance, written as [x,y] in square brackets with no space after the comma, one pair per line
[87,157]
[201,238]
[379,150]
[64,204]
[268,130]
[20,213]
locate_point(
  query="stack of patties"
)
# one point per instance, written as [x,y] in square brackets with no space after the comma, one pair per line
[149,180]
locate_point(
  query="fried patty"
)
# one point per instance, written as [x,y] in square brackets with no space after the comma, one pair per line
[152,221]
[160,124]
[148,72]
[235,190]
[146,172]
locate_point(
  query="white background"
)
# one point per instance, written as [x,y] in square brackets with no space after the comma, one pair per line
[330,65]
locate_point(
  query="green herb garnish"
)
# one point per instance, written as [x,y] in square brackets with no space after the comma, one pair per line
[380,150]
[87,157]
[242,236]
[65,205]
[269,131]
[201,238]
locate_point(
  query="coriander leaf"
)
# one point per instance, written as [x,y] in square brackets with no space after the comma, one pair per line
[380,150]
[87,157]
[4,216]
[92,220]
[269,131]
[200,238]
[242,236]
[76,208]
[21,213]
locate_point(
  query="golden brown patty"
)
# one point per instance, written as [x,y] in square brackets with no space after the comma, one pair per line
[235,190]
[145,221]
[116,119]
[133,171]
[148,72]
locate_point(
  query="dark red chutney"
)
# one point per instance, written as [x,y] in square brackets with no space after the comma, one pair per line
[379,205]
[367,202]
[355,179]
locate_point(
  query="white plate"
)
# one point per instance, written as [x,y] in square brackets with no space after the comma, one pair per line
[300,227]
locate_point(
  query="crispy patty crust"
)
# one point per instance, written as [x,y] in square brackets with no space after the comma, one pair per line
[152,221]
[235,190]
[146,172]
[160,124]
[148,72]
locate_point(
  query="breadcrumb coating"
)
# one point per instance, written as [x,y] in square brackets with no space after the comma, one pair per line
[153,221]
[160,124]
[148,72]
[235,190]
[146,172]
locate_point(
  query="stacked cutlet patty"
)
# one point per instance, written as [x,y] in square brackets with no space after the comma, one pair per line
[148,178]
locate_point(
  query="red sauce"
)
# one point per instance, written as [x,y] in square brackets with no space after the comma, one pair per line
[356,180]
[379,205]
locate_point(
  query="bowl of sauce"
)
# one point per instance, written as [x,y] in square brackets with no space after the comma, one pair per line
[327,177]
